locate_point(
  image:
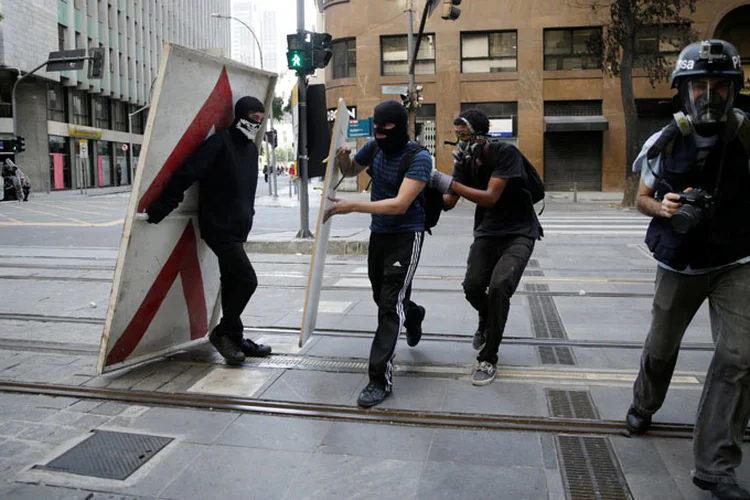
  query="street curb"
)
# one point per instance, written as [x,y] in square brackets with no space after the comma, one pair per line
[298,246]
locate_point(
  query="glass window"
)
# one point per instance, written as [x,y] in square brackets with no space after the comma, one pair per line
[567,49]
[665,41]
[395,59]
[345,58]
[60,37]
[56,102]
[104,166]
[489,52]
[101,112]
[121,116]
[6,98]
[81,108]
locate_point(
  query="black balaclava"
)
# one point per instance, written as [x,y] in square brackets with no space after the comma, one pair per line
[242,110]
[396,138]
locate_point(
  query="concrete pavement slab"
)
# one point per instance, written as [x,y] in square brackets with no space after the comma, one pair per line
[451,481]
[490,448]
[232,472]
[275,433]
[315,387]
[378,441]
[326,476]
[190,426]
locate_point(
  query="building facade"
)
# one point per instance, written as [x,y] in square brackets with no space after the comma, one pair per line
[526,64]
[58,111]
[244,48]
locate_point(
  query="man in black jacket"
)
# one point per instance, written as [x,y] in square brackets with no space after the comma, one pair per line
[226,168]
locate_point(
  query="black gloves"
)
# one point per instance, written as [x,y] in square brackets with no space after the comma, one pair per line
[157,211]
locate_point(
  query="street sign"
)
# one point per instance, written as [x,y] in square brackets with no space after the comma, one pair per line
[84,147]
[124,147]
[360,128]
[79,54]
[394,89]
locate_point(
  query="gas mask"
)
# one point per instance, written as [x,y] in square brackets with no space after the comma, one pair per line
[467,146]
[707,102]
[249,128]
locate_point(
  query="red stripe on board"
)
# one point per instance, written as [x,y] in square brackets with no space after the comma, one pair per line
[184,261]
[216,111]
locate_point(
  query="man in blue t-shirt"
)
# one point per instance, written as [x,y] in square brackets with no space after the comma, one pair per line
[397,229]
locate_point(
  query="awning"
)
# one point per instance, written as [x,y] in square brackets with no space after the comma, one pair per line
[575,124]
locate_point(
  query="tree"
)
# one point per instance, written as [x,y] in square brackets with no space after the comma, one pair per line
[278,107]
[619,53]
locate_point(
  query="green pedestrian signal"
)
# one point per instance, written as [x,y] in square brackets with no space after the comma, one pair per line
[296,59]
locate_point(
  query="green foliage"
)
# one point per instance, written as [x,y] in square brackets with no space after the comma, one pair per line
[278,107]
[627,20]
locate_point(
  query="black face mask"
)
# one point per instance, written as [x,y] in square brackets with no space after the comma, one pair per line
[396,138]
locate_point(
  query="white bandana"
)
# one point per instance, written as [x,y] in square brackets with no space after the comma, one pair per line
[249,128]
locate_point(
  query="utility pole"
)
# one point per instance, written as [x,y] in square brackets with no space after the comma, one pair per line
[304,216]
[412,58]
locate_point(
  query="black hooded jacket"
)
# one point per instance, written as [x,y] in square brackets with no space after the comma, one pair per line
[225,166]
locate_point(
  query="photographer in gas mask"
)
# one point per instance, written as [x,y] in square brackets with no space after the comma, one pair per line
[226,168]
[492,175]
[694,183]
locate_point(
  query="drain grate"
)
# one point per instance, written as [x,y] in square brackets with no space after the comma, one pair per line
[533,272]
[556,355]
[545,319]
[108,455]
[533,264]
[590,469]
[571,404]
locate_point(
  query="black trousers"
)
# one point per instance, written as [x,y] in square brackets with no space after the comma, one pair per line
[392,260]
[238,283]
[493,271]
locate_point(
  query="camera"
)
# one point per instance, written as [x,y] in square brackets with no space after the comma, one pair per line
[697,206]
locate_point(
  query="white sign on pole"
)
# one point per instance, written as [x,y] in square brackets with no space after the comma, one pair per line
[394,89]
[84,146]
[323,231]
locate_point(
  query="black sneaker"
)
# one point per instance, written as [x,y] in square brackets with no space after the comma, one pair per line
[251,349]
[480,337]
[372,395]
[636,423]
[723,491]
[414,328]
[484,373]
[226,347]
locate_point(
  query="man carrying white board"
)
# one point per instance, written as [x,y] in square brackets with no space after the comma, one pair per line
[226,168]
[397,229]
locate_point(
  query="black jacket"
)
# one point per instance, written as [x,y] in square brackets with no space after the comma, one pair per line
[226,168]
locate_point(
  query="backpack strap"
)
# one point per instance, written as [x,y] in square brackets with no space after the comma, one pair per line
[407,160]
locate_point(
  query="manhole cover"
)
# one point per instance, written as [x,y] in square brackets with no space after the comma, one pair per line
[108,455]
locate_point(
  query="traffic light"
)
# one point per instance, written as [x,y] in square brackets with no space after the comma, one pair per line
[96,63]
[406,100]
[20,144]
[449,11]
[298,53]
[321,49]
[272,138]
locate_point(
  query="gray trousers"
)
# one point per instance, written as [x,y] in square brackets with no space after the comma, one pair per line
[725,403]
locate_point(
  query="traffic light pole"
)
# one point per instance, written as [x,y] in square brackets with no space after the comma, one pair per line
[413,57]
[304,231]
[22,78]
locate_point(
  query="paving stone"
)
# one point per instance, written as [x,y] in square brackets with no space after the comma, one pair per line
[639,457]
[460,481]
[232,472]
[75,419]
[378,440]
[491,448]
[315,387]
[325,477]
[84,406]
[46,433]
[415,393]
[36,492]
[53,402]
[194,426]
[109,409]
[277,433]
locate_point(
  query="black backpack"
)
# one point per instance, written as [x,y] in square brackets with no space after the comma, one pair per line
[433,199]
[532,182]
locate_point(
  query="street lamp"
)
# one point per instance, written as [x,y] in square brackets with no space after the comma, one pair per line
[270,159]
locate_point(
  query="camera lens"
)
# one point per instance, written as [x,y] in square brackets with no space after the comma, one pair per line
[685,218]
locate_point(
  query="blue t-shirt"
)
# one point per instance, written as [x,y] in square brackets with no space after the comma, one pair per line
[386,183]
